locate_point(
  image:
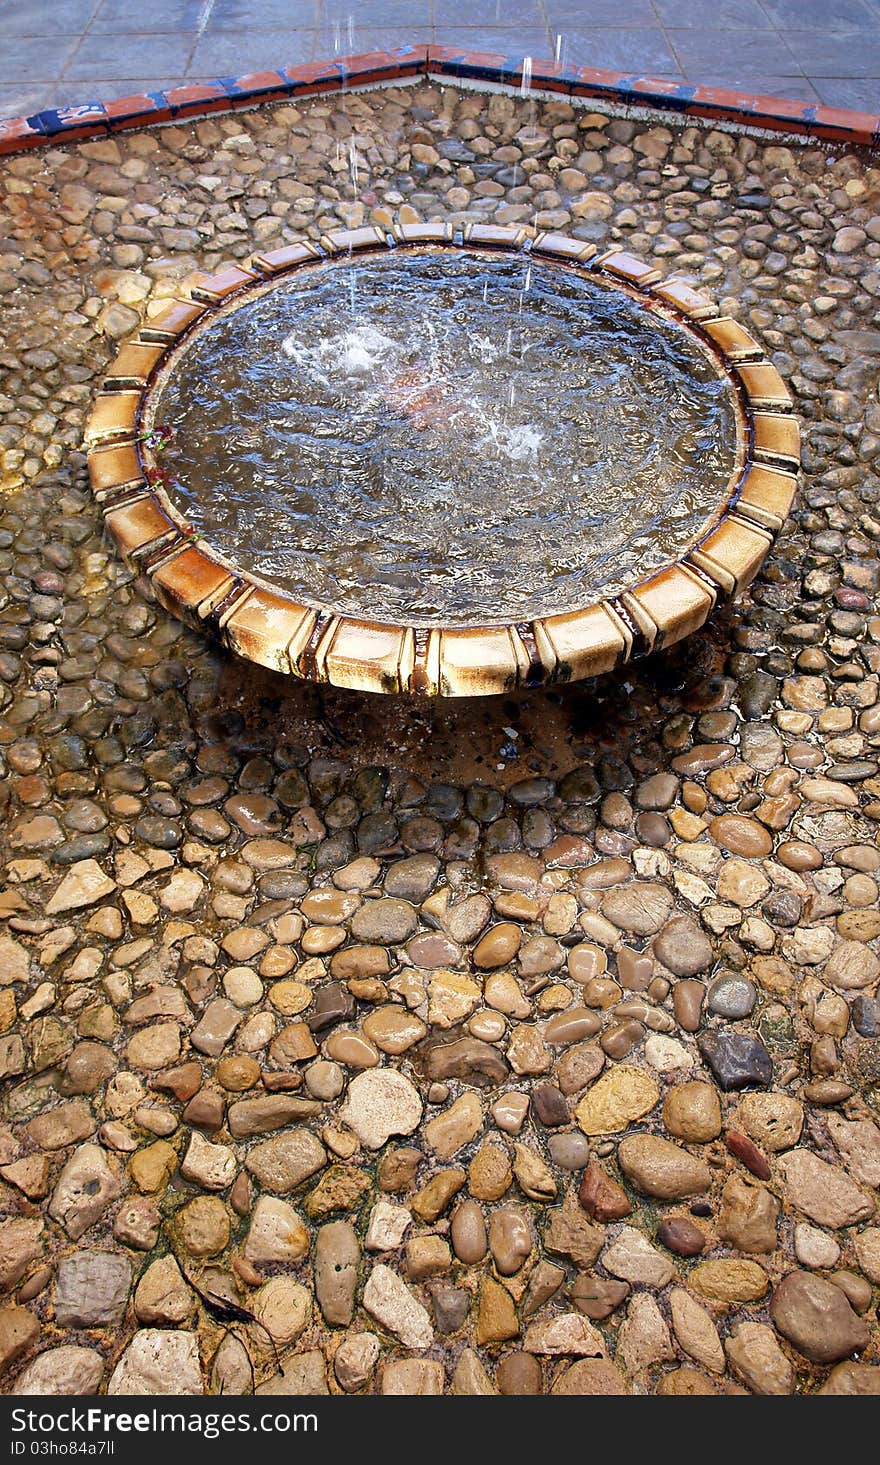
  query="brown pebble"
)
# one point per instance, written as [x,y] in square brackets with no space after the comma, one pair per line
[743,1148]
[241,1195]
[519,1373]
[601,1196]
[246,1271]
[687,1003]
[621,1037]
[35,1284]
[680,1235]
[549,1106]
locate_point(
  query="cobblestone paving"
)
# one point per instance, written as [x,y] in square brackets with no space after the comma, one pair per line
[514,1046]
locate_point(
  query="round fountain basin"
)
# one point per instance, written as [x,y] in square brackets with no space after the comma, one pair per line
[445,465]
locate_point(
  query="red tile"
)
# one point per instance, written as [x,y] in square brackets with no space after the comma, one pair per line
[136,110]
[198,97]
[18,133]
[841,125]
[314,76]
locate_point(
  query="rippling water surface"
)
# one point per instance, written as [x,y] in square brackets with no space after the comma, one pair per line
[446,437]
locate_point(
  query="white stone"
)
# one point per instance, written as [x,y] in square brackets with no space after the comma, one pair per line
[212,1167]
[813,1248]
[388,1299]
[67,1370]
[84,884]
[158,1361]
[633,1258]
[387,1227]
[380,1103]
[667,1054]
[567,1333]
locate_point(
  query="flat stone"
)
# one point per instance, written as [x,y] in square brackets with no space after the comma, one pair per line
[639,908]
[632,1258]
[91,1289]
[729,1280]
[738,1060]
[211,1166]
[858,1144]
[567,1333]
[497,1321]
[748,1216]
[163,1296]
[337,1255]
[84,884]
[385,922]
[741,836]
[19,1330]
[468,1059]
[157,1361]
[774,1121]
[816,1318]
[381,1102]
[660,1168]
[277,1233]
[681,1235]
[21,1242]
[852,966]
[354,1361]
[617,1099]
[510,1239]
[87,1185]
[644,1337]
[732,997]
[283,1163]
[755,1355]
[303,1374]
[68,1370]
[683,947]
[692,1112]
[823,1192]
[860,1379]
[388,1299]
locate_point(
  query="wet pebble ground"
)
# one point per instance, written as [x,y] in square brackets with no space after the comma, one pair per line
[513,1047]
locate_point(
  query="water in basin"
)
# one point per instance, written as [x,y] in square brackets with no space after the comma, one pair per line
[446,437]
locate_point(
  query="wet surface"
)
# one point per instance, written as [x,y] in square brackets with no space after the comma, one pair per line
[446,437]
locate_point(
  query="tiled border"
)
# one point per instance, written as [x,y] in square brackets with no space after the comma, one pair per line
[774,114]
[264,625]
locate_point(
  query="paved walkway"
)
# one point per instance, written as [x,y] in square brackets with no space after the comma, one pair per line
[56,52]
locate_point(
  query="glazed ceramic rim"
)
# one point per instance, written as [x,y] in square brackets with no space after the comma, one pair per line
[264,624]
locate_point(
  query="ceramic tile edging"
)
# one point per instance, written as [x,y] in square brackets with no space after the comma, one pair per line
[226,94]
[265,625]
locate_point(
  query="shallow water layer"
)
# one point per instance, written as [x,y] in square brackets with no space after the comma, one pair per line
[446,437]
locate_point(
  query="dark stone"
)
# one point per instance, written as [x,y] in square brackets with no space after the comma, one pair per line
[549,1106]
[450,1308]
[334,1003]
[469,1059]
[738,1060]
[681,1236]
[866,1016]
[598,1297]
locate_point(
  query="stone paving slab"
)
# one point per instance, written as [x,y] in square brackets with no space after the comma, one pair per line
[811,50]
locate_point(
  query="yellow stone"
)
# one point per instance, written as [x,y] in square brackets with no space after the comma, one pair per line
[452,997]
[289,998]
[729,1280]
[617,1099]
[152,1168]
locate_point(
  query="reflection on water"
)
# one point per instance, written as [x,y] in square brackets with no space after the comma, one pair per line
[446,437]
